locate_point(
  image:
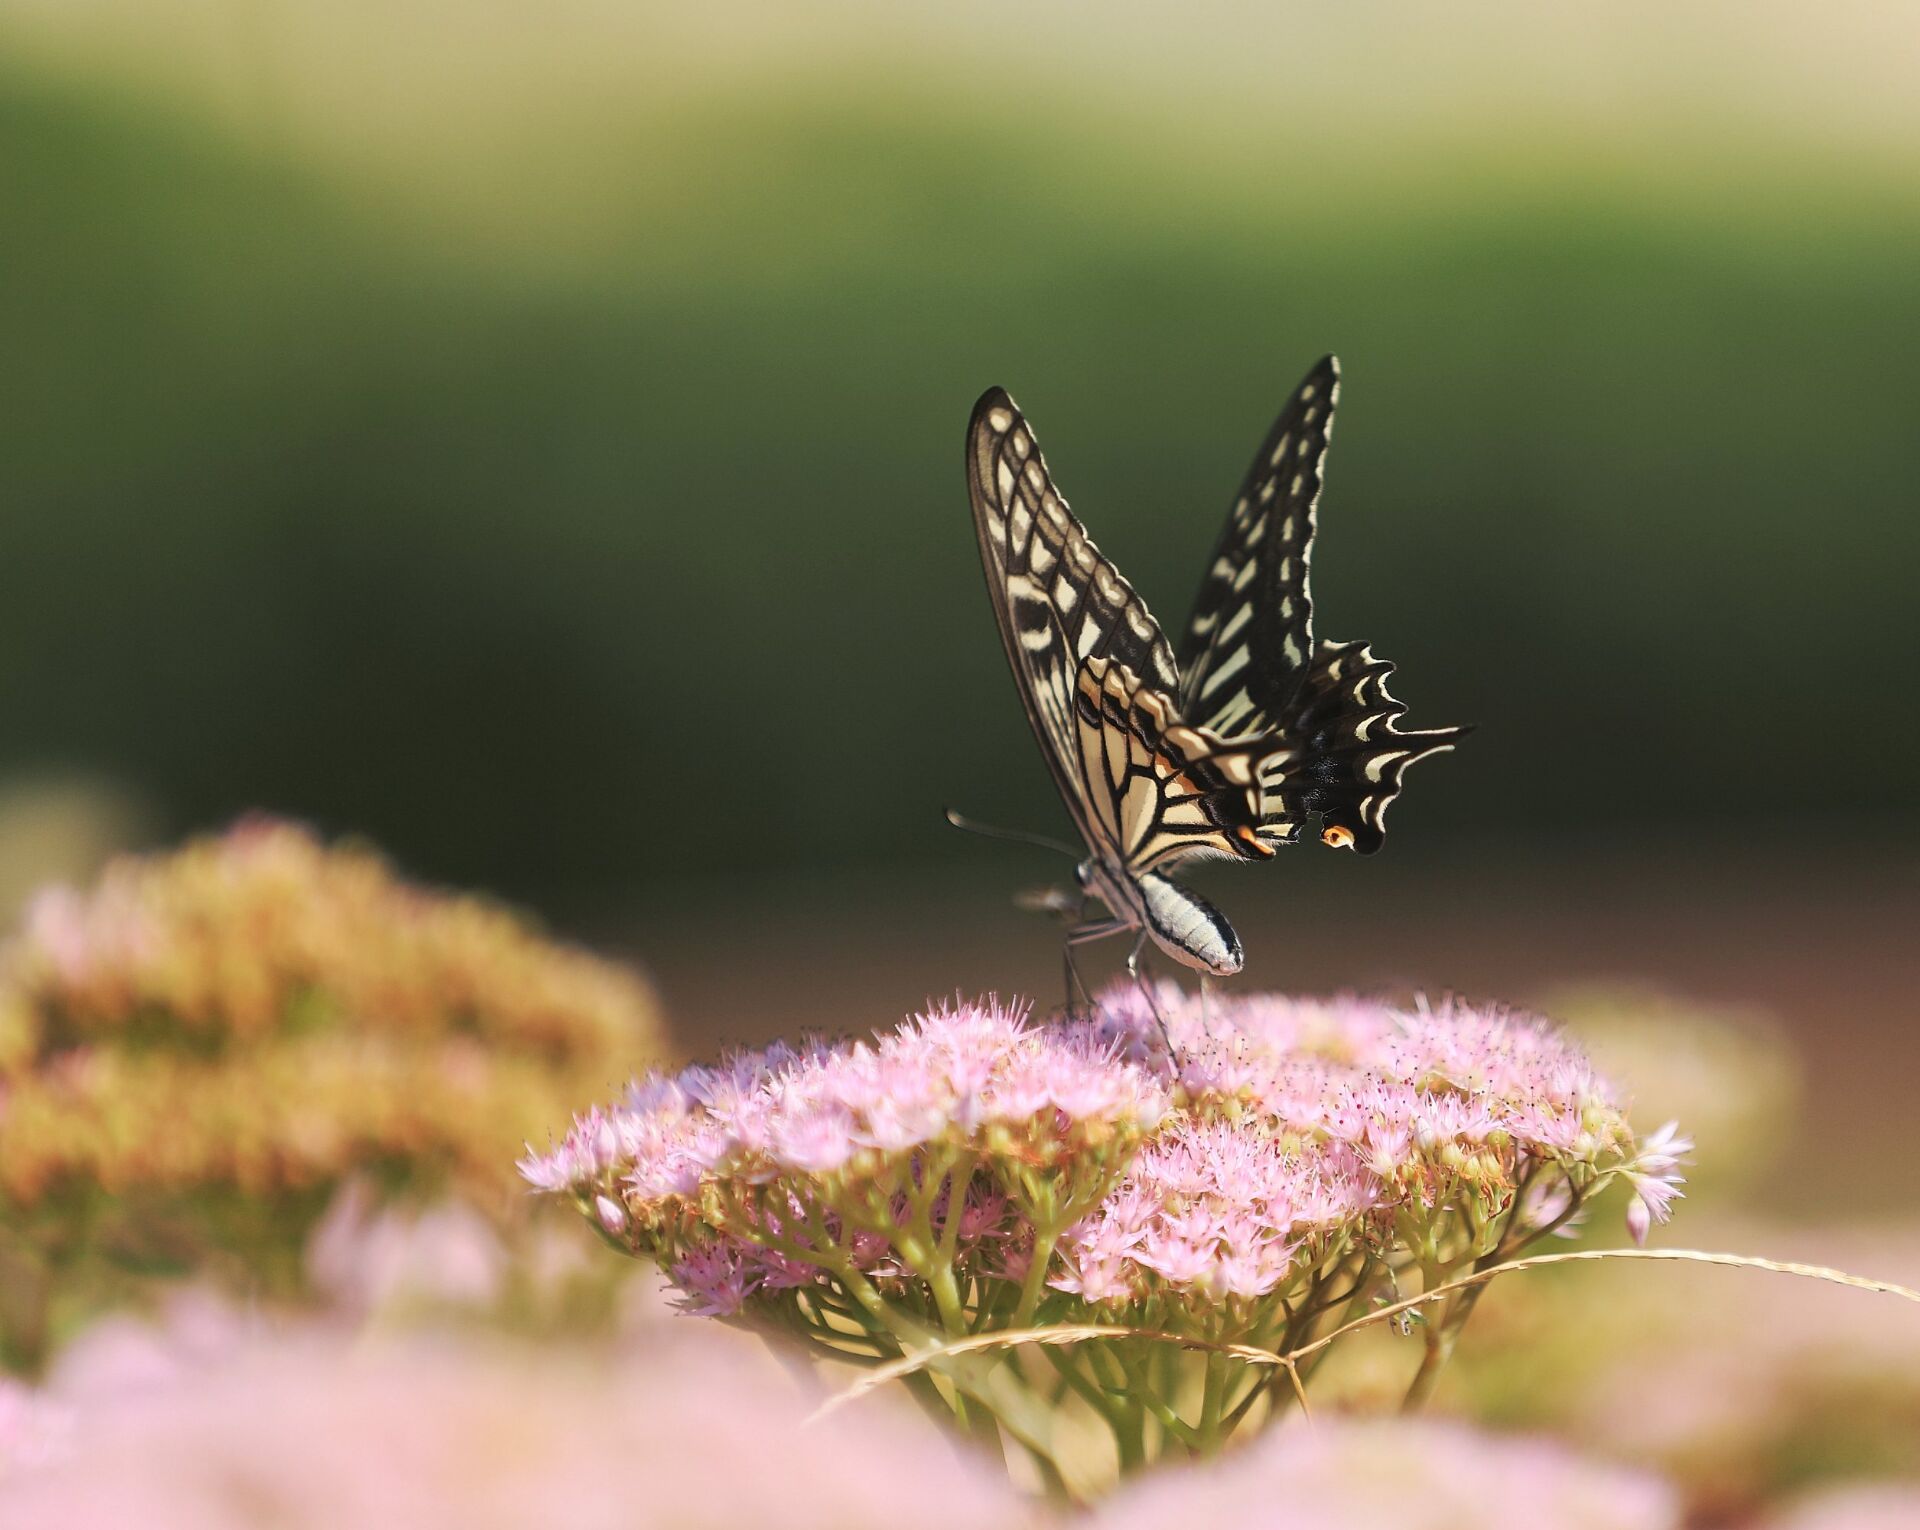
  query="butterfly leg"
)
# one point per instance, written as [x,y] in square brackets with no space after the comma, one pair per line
[1143,982]
[1074,982]
[1079,935]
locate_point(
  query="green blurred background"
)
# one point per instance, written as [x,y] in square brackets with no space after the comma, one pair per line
[530,437]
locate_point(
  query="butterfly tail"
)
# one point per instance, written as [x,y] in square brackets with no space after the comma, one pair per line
[1348,755]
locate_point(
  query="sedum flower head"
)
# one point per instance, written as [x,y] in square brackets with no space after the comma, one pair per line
[208,1042]
[1254,1174]
[1214,1210]
[1308,1126]
[770,1169]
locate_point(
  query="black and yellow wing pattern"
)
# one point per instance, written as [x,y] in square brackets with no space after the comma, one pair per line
[1249,662]
[1228,748]
[1095,673]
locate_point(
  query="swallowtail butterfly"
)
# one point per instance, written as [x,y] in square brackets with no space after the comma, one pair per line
[1228,749]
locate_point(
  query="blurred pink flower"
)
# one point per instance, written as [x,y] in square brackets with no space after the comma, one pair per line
[1394,1475]
[35,1429]
[301,1433]
[121,1356]
[366,1258]
[1879,1506]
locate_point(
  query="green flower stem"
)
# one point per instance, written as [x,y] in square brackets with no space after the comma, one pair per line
[987,1380]
[946,1299]
[1444,1328]
[1035,1285]
[1152,1398]
[1439,1349]
[928,1256]
[1053,1479]
[1255,1389]
[1212,1400]
[1435,1332]
[959,1176]
[1360,1301]
[1066,1362]
[1130,1438]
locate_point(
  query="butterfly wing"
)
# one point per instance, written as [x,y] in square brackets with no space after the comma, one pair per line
[1095,673]
[1250,664]
[1162,791]
[1249,643]
[1347,755]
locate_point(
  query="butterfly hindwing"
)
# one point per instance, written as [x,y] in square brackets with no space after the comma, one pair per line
[1349,754]
[1171,791]
[1249,642]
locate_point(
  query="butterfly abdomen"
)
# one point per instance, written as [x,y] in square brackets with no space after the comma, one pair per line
[1188,928]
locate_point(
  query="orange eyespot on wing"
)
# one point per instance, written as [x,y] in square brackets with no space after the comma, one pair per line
[1337,837]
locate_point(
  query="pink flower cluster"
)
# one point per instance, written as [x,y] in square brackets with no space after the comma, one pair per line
[1272,1139]
[1216,1209]
[760,1173]
[1306,1125]
[1357,1068]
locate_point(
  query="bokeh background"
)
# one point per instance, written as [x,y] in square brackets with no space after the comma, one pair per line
[530,437]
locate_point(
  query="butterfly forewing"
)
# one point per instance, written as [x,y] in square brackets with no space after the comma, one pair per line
[1095,673]
[1249,643]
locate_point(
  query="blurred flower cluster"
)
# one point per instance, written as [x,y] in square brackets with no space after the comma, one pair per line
[1728,1071]
[1741,1390]
[1404,1474]
[291,1428]
[220,1424]
[200,1050]
[1246,1171]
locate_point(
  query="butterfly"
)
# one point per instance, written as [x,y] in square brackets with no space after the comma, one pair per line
[1227,748]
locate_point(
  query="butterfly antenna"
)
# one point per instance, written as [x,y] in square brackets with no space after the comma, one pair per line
[1016,836]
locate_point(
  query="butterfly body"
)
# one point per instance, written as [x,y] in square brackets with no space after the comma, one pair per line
[1227,750]
[1180,921]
